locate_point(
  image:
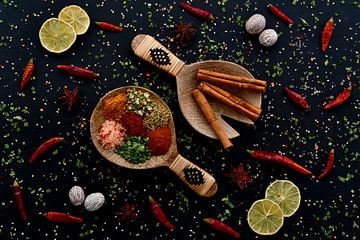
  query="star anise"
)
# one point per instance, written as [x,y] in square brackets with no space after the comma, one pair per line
[70,98]
[184,32]
[128,213]
[239,176]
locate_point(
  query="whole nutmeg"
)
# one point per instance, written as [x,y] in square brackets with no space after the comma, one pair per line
[268,37]
[94,201]
[76,195]
[255,24]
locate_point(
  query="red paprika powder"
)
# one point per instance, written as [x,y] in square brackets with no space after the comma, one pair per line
[159,141]
[133,124]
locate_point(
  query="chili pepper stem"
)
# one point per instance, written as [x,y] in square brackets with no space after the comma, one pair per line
[251,152]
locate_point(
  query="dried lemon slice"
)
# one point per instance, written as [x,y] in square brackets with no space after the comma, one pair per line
[76,17]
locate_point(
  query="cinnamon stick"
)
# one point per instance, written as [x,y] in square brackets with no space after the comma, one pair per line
[230,100]
[228,83]
[233,77]
[211,118]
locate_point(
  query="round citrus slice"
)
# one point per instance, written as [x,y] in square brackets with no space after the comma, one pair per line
[265,217]
[76,17]
[286,194]
[57,36]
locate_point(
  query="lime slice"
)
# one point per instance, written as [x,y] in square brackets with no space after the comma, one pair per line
[76,17]
[286,194]
[265,217]
[57,36]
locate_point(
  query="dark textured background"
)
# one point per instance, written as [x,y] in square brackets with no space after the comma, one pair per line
[329,208]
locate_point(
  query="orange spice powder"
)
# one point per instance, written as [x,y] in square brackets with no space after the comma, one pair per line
[114,107]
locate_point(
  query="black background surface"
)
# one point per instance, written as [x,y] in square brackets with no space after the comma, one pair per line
[329,208]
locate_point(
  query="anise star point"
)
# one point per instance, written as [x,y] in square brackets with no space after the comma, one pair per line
[70,98]
[239,176]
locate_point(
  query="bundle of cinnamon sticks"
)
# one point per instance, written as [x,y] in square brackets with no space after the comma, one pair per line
[213,84]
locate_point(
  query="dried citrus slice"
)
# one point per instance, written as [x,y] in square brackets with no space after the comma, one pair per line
[286,194]
[76,17]
[57,36]
[265,217]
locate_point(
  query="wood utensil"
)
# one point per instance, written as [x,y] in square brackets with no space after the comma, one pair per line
[150,50]
[207,187]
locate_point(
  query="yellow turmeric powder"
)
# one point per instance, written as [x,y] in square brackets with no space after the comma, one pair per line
[114,107]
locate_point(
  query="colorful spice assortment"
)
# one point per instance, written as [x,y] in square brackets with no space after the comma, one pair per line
[70,98]
[78,71]
[340,99]
[111,134]
[280,14]
[19,199]
[297,98]
[45,147]
[326,34]
[159,141]
[114,107]
[159,214]
[135,149]
[27,75]
[222,227]
[109,27]
[199,12]
[62,217]
[277,158]
[329,164]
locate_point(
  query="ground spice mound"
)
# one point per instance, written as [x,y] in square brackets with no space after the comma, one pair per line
[159,141]
[158,117]
[134,124]
[114,107]
[111,134]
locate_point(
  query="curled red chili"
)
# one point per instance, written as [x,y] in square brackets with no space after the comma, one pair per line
[159,214]
[78,71]
[45,147]
[62,217]
[109,26]
[326,34]
[27,75]
[277,158]
[297,98]
[340,99]
[222,227]
[19,199]
[329,164]
[280,14]
[199,12]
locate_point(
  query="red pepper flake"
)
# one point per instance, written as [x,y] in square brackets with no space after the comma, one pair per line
[329,164]
[327,33]
[27,75]
[159,141]
[277,158]
[280,14]
[109,26]
[62,217]
[133,124]
[78,71]
[239,176]
[19,199]
[222,227]
[70,98]
[340,99]
[45,147]
[297,98]
[199,12]
[159,214]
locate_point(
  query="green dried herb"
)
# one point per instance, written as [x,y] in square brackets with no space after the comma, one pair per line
[135,150]
[158,117]
[139,102]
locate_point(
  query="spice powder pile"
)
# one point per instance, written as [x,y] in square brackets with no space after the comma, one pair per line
[114,107]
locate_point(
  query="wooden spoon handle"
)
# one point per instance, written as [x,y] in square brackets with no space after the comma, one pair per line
[153,52]
[196,178]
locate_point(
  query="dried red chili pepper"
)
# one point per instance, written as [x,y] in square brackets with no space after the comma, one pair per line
[62,217]
[27,75]
[199,12]
[329,164]
[159,214]
[326,34]
[45,147]
[222,227]
[340,99]
[19,199]
[274,157]
[280,14]
[78,71]
[109,26]
[297,98]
